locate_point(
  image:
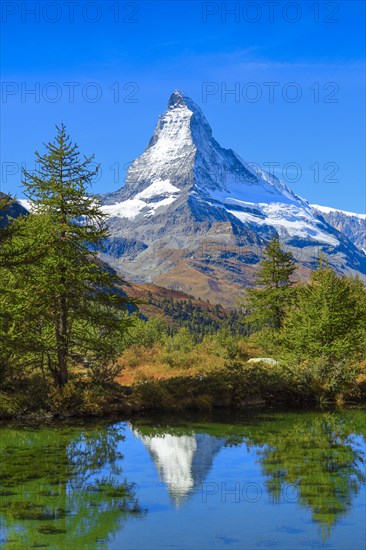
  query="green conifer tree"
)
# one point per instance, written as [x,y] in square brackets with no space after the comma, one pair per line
[328,318]
[12,259]
[73,304]
[267,301]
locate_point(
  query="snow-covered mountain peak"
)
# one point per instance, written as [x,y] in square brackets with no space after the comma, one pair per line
[184,163]
[170,154]
[179,100]
[183,154]
[185,190]
[183,122]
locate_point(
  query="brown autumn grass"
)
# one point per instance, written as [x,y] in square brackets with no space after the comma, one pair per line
[156,363]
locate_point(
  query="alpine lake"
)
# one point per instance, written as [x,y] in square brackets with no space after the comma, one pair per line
[251,480]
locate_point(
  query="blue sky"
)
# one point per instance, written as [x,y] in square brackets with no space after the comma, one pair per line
[123,59]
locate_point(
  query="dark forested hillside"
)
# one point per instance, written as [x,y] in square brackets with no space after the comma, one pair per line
[182,310]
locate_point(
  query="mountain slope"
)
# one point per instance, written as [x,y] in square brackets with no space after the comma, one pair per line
[349,223]
[195,217]
[178,310]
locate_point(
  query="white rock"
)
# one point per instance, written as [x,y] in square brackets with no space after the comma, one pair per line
[262,360]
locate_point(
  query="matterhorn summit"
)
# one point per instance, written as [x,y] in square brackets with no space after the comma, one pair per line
[195,217]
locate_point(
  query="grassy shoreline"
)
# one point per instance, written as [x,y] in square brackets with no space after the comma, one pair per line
[235,387]
[175,374]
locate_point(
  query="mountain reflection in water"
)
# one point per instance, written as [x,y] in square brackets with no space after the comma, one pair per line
[140,484]
[182,461]
[317,458]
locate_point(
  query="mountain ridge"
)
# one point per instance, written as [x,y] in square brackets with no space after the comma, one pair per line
[351,224]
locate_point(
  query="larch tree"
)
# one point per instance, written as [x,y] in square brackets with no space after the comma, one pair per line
[328,318]
[12,229]
[75,302]
[267,301]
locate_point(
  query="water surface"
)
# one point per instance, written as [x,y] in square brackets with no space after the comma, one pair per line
[269,480]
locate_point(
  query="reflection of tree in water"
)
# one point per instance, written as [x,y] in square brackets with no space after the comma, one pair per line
[319,455]
[63,487]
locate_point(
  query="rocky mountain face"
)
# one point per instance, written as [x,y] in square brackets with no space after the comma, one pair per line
[195,217]
[350,224]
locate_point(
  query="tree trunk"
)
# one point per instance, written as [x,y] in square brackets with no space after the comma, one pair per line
[62,341]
